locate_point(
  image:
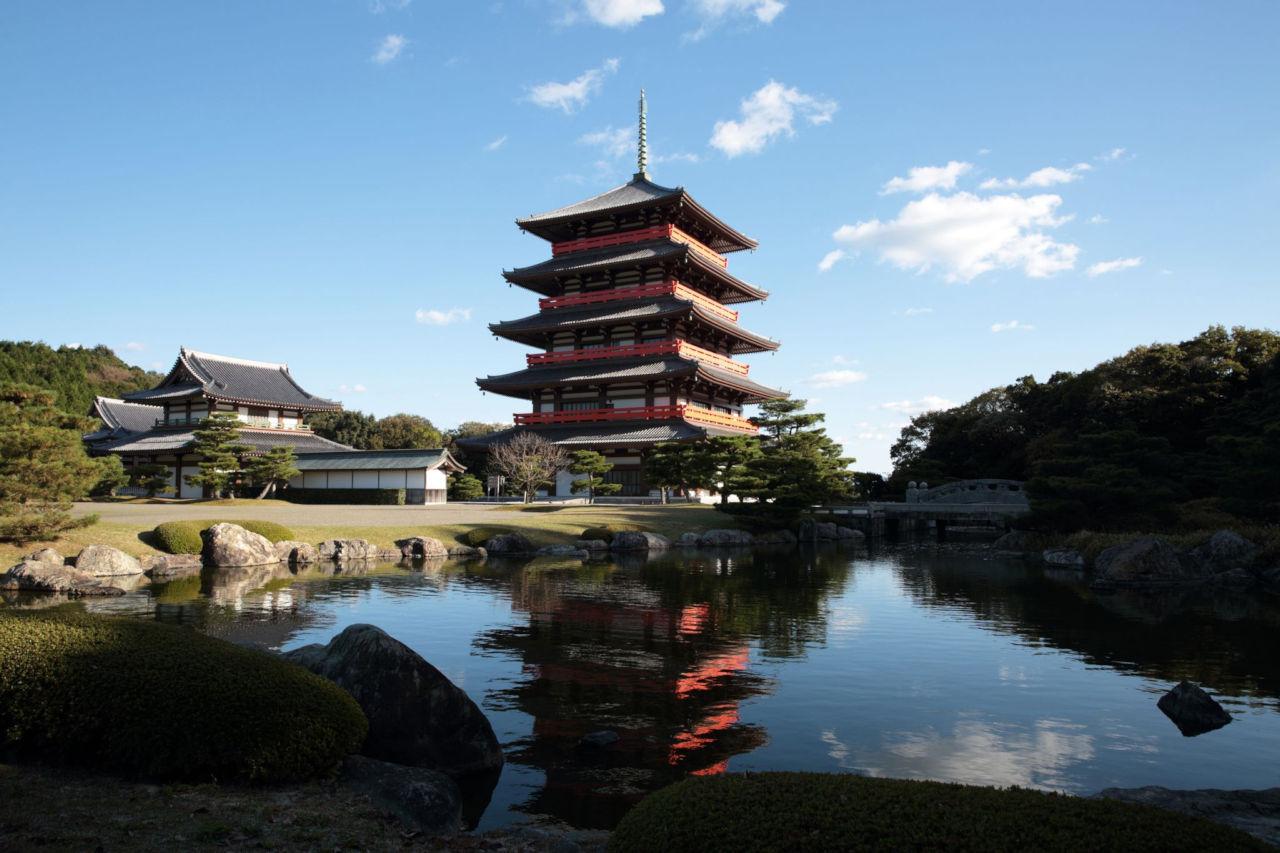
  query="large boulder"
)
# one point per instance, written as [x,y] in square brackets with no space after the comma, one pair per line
[170,566]
[636,540]
[416,715]
[105,561]
[347,549]
[562,551]
[688,539]
[48,555]
[591,544]
[1192,710]
[467,552]
[848,534]
[1225,550]
[228,545]
[421,547]
[725,537]
[1015,540]
[38,576]
[508,543]
[1063,558]
[811,530]
[295,553]
[776,537]
[425,800]
[1145,561]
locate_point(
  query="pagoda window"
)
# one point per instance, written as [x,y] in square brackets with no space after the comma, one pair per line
[579,405]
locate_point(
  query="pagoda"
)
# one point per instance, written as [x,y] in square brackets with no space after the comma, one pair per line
[634,339]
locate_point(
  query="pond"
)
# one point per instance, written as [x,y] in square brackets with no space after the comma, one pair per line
[909,663]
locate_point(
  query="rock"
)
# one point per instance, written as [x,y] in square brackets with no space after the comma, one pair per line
[169,566]
[48,555]
[634,540]
[36,576]
[1225,550]
[426,800]
[1192,710]
[591,544]
[1234,579]
[416,715]
[1014,540]
[421,547]
[466,551]
[347,549]
[562,551]
[599,740]
[509,543]
[723,537]
[1063,558]
[1254,812]
[1146,561]
[848,534]
[776,537]
[105,561]
[391,554]
[810,530]
[228,545]
[296,553]
[687,540]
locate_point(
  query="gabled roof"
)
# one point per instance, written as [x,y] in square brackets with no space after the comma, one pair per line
[542,277]
[635,195]
[235,380]
[351,460]
[637,433]
[527,329]
[122,416]
[168,439]
[618,371]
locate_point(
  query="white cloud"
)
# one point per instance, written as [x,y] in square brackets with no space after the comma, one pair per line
[928,403]
[76,345]
[621,13]
[436,317]
[574,94]
[768,113]
[836,378]
[497,143]
[967,235]
[389,49]
[922,178]
[916,312]
[613,142]
[1098,219]
[830,259]
[1112,155]
[377,7]
[677,157]
[984,151]
[715,12]
[1012,326]
[356,389]
[134,346]
[1047,177]
[1104,267]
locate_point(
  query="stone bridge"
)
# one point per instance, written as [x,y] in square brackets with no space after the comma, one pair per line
[986,502]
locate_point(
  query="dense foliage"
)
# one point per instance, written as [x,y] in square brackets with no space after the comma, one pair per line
[366,432]
[43,464]
[592,467]
[75,374]
[183,537]
[272,469]
[739,813]
[156,701]
[1165,435]
[465,487]
[217,441]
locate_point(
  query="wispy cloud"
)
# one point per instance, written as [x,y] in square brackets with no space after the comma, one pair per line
[1112,155]
[713,13]
[768,113]
[1047,177]
[377,7]
[1098,219]
[573,95]
[916,312]
[1104,267]
[613,142]
[352,389]
[830,259]
[389,49]
[1012,326]
[497,143]
[619,14]
[924,178]
[436,317]
[928,403]
[134,346]
[836,378]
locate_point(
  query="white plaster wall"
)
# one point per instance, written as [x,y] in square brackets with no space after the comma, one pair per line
[189,491]
[564,483]
[391,479]
[364,479]
[297,482]
[434,478]
[314,480]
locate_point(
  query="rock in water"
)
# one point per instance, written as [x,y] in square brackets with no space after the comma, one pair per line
[776,537]
[1225,550]
[35,576]
[426,800]
[635,540]
[105,561]
[1192,710]
[1145,561]
[687,540]
[48,555]
[725,537]
[227,545]
[347,549]
[421,547]
[1063,558]
[509,543]
[169,566]
[562,551]
[416,715]
[295,553]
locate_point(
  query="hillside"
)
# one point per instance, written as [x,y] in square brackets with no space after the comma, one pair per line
[77,375]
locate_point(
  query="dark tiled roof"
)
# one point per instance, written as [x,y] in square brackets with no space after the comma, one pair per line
[616,371]
[235,380]
[631,194]
[118,415]
[351,460]
[166,440]
[167,392]
[619,434]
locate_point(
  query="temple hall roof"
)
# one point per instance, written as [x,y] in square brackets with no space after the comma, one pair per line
[615,371]
[168,440]
[623,434]
[234,380]
[349,460]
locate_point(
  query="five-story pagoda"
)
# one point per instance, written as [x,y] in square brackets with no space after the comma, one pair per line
[634,339]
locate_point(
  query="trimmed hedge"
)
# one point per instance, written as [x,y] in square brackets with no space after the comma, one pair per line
[155,701]
[183,537]
[736,813]
[378,497]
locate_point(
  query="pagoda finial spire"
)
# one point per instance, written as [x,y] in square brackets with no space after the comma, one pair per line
[642,144]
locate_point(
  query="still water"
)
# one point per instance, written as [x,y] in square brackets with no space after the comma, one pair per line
[907,663]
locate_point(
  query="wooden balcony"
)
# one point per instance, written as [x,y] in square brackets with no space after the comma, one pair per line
[680,348]
[682,411]
[669,287]
[639,235]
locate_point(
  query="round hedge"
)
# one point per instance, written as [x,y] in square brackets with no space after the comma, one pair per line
[183,537]
[161,702]
[820,811]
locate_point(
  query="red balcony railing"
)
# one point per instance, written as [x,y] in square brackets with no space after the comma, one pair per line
[639,235]
[668,287]
[680,348]
[682,411]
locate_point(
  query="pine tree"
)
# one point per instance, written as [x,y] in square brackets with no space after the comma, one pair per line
[152,477]
[594,466]
[681,466]
[733,459]
[800,465]
[465,487]
[272,469]
[111,476]
[220,452]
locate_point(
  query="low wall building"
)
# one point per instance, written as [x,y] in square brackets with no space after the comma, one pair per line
[422,474]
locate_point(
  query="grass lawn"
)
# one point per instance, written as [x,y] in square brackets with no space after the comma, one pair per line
[544,524]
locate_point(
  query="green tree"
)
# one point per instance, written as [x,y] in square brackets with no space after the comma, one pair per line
[403,431]
[216,441]
[272,469]
[43,464]
[153,477]
[679,466]
[465,487]
[733,460]
[799,464]
[74,374]
[593,466]
[868,485]
[111,476]
[352,428]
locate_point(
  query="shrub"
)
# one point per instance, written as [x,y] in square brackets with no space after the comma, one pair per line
[156,701]
[477,536]
[269,529]
[183,537]
[819,811]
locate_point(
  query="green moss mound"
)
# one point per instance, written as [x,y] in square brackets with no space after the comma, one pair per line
[818,811]
[477,536]
[183,537]
[159,702]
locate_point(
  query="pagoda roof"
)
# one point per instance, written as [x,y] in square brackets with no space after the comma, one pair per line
[635,195]
[527,329]
[234,380]
[615,434]
[617,371]
[542,277]
[168,440]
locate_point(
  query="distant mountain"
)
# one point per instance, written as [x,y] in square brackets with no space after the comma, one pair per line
[76,374]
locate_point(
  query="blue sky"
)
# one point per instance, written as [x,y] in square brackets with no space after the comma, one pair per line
[947,196]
